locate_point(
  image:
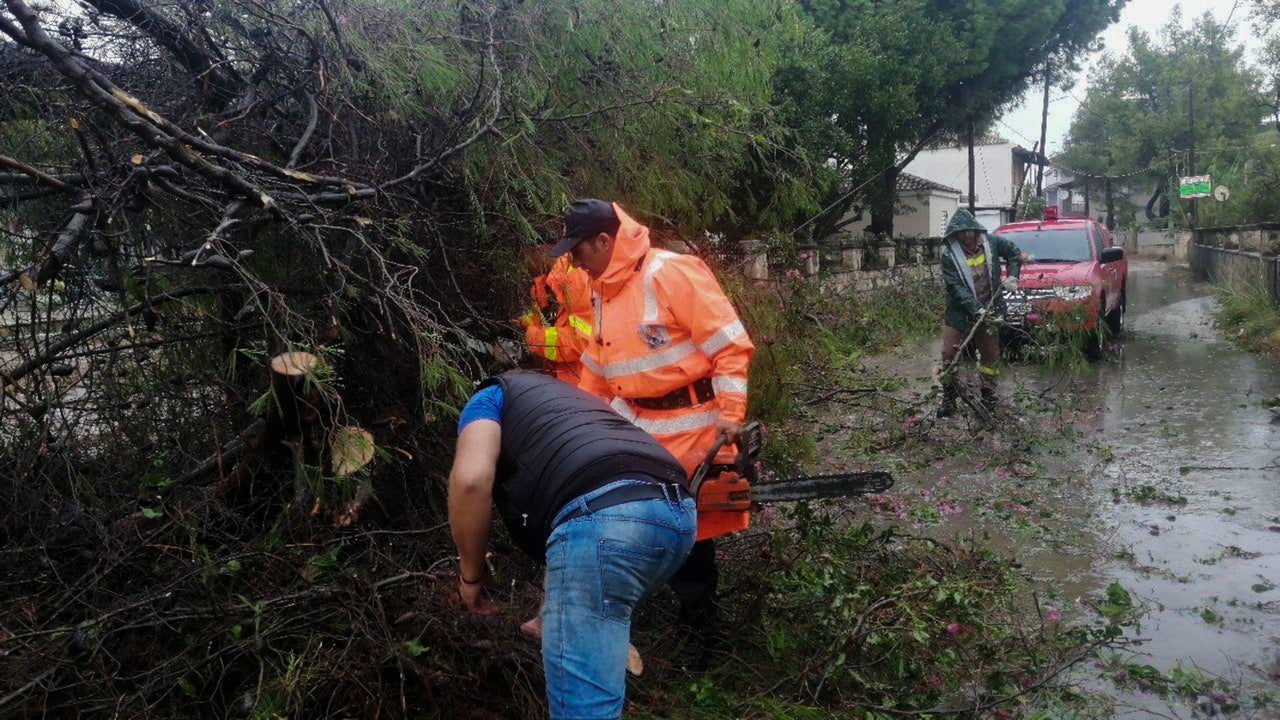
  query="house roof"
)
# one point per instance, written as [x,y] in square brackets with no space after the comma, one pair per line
[1030,157]
[914,183]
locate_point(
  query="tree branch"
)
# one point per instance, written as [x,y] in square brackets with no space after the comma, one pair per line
[69,340]
[222,78]
[31,175]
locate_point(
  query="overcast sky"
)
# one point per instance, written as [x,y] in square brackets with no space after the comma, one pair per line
[1022,124]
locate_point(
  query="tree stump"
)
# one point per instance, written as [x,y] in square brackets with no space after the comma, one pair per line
[350,449]
[293,409]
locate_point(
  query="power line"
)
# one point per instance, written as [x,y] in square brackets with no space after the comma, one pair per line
[842,198]
[1081,174]
[1234,7]
[1019,134]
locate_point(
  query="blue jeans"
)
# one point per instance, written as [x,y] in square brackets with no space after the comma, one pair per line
[600,566]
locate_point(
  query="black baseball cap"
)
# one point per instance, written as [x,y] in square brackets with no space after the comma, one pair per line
[585,218]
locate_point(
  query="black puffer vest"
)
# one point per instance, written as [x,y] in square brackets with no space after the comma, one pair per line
[558,443]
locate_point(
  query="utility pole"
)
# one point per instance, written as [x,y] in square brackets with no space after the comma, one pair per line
[1191,152]
[972,199]
[1086,195]
[1044,125]
[1109,197]
[1111,207]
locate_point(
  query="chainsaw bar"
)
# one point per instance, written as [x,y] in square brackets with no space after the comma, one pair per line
[818,487]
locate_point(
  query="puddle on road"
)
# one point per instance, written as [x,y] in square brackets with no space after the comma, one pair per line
[1173,491]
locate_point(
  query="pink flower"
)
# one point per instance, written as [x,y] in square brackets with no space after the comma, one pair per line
[1054,616]
[953,628]
[343,20]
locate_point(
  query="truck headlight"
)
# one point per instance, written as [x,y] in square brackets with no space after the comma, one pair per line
[1073,292]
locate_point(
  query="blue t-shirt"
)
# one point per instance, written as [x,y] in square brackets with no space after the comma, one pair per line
[484,405]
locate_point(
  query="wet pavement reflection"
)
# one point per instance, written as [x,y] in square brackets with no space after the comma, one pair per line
[1170,486]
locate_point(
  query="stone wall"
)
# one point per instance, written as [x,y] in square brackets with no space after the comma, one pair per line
[860,281]
[1262,238]
[857,265]
[1172,245]
[1239,256]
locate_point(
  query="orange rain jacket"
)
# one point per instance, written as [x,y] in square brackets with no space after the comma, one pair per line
[661,322]
[561,345]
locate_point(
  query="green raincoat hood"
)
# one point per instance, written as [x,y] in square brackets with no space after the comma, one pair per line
[962,220]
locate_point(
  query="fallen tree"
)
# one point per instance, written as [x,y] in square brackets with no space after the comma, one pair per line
[252,257]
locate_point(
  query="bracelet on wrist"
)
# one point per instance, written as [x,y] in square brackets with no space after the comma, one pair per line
[483,576]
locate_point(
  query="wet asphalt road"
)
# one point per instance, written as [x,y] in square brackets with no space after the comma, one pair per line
[1182,415]
[1172,490]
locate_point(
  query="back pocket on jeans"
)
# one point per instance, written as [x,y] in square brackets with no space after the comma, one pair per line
[628,573]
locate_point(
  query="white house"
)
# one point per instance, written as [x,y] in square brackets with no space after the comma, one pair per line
[924,207]
[1000,169]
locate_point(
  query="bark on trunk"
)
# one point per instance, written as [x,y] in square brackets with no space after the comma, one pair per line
[882,204]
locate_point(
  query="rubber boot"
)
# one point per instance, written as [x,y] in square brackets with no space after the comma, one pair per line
[990,400]
[948,406]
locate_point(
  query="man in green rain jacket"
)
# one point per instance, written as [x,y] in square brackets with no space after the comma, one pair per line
[971,264]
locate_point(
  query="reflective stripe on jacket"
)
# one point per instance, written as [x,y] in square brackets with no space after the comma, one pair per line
[563,343]
[999,253]
[662,322]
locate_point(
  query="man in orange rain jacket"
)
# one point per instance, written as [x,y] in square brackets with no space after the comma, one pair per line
[562,343]
[670,354]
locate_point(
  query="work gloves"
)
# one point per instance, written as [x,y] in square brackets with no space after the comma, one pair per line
[530,319]
[539,292]
[1010,284]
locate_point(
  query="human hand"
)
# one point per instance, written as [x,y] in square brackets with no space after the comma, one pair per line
[539,292]
[1011,283]
[532,628]
[729,429]
[982,313]
[530,319]
[473,599]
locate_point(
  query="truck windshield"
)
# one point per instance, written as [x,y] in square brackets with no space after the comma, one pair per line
[1054,245]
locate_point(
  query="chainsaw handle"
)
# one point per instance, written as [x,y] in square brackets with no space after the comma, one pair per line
[701,473]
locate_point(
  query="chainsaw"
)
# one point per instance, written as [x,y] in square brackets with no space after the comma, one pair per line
[731,484]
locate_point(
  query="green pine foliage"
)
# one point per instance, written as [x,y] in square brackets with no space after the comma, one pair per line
[1134,121]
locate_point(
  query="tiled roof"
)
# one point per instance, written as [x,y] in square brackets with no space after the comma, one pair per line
[914,183]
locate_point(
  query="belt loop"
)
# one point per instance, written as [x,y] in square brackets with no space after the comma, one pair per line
[693,395]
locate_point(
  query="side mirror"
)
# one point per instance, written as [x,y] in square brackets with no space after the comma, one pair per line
[1111,254]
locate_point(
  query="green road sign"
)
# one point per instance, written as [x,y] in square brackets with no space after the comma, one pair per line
[1194,186]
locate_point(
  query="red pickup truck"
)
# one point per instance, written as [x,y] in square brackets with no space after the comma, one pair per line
[1071,264]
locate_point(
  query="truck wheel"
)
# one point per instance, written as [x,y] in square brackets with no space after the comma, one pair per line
[1093,344]
[1115,318]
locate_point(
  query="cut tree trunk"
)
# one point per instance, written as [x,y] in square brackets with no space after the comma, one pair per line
[293,409]
[350,450]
